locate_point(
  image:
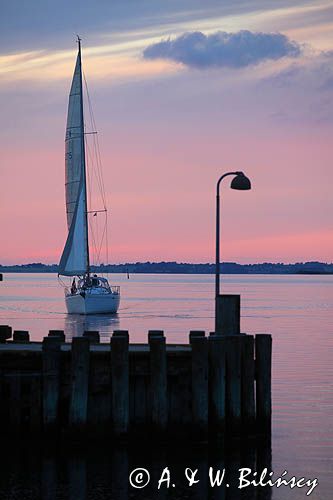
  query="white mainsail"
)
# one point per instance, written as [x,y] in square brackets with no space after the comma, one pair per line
[75,257]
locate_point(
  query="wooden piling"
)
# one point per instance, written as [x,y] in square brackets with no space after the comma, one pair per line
[21,336]
[155,333]
[51,382]
[119,474]
[35,397]
[217,382]
[228,314]
[77,478]
[214,384]
[49,478]
[120,382]
[263,353]
[120,333]
[5,333]
[92,336]
[199,345]
[58,334]
[247,383]
[15,386]
[158,381]
[233,383]
[80,361]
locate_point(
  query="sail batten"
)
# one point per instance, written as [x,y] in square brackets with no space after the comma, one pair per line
[75,257]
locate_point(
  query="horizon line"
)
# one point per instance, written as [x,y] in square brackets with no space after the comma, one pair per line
[176,262]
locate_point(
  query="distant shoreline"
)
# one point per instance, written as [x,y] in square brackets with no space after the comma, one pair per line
[302,268]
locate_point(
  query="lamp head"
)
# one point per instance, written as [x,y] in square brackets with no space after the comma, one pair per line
[240,182]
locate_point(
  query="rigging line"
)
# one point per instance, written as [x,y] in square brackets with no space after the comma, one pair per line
[100,239]
[98,178]
[88,172]
[96,140]
[91,185]
[107,240]
[91,178]
[99,160]
[101,243]
[98,172]
[103,240]
[94,244]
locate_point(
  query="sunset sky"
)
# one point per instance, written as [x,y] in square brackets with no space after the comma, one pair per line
[182,92]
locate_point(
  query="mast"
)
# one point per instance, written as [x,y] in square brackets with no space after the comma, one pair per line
[83,155]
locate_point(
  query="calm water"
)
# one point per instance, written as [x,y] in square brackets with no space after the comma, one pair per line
[296,310]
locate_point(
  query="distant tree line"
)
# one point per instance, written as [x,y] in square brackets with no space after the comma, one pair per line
[186,268]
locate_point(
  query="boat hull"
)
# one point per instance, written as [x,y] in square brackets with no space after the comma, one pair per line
[92,304]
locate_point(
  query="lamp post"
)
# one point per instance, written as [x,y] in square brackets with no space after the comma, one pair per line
[239,182]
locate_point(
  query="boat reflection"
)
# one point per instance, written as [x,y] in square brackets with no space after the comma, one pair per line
[76,324]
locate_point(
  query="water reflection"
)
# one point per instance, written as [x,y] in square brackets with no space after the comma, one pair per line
[103,473]
[76,324]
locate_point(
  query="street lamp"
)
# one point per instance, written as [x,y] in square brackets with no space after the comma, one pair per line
[242,183]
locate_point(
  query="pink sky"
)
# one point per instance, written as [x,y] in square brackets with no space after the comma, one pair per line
[166,133]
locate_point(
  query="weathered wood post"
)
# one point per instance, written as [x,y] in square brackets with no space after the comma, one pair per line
[119,474]
[51,382]
[15,386]
[77,478]
[93,336]
[158,380]
[21,336]
[35,402]
[233,383]
[264,460]
[120,381]
[5,333]
[227,314]
[217,382]
[199,362]
[49,478]
[248,376]
[263,348]
[58,334]
[80,361]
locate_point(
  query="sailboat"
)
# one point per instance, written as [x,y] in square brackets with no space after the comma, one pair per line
[88,293]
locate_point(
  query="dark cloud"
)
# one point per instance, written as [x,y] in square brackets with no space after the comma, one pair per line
[222,49]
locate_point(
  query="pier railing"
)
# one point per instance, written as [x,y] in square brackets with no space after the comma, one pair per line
[212,385]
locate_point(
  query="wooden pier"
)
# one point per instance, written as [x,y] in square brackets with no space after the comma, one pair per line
[213,385]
